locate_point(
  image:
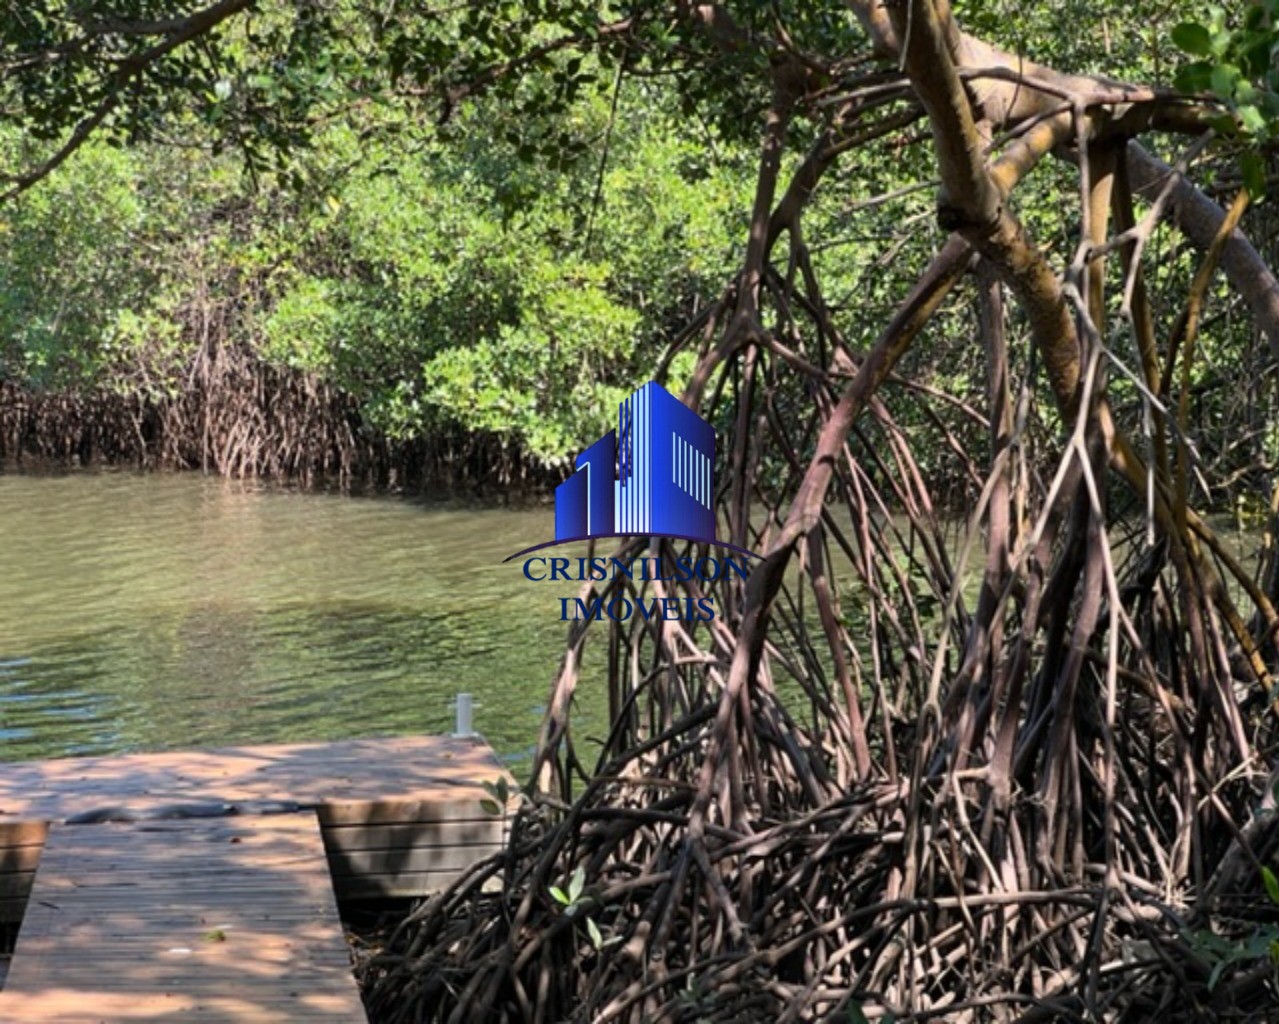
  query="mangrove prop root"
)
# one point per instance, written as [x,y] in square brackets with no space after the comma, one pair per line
[927,799]
[240,417]
[999,766]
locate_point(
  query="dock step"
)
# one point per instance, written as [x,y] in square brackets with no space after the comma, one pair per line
[224,919]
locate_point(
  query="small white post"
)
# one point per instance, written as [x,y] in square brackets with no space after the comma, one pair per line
[465,705]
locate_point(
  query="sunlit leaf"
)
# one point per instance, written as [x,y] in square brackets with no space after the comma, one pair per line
[1271,883]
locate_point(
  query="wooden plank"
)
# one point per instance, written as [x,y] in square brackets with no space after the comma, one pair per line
[412,834]
[16,885]
[419,794]
[22,833]
[406,861]
[21,845]
[385,780]
[19,858]
[229,919]
[462,806]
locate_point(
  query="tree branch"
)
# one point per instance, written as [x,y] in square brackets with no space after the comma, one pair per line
[971,203]
[1199,218]
[183,31]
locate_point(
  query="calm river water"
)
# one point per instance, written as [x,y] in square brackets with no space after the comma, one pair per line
[142,612]
[139,612]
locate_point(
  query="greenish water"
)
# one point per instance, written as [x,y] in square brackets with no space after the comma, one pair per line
[161,611]
[144,612]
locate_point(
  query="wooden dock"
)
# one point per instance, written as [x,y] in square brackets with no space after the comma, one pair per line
[226,912]
[220,920]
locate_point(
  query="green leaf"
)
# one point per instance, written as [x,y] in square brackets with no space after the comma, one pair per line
[1271,883]
[499,792]
[1223,124]
[1254,121]
[1223,78]
[593,930]
[576,883]
[1194,77]
[1253,169]
[1192,38]
[1254,53]
[222,89]
[559,895]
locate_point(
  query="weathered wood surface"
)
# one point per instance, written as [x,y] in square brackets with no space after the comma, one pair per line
[230,920]
[354,777]
[395,811]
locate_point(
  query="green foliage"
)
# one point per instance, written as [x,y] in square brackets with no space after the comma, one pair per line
[1129,42]
[544,381]
[1236,63]
[571,894]
[576,902]
[1222,953]
[69,270]
[1271,884]
[436,275]
[259,78]
[466,287]
[499,796]
[502,259]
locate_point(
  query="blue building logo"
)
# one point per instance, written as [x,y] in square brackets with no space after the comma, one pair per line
[664,454]
[652,475]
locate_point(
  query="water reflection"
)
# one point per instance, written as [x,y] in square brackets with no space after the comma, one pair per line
[145,612]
